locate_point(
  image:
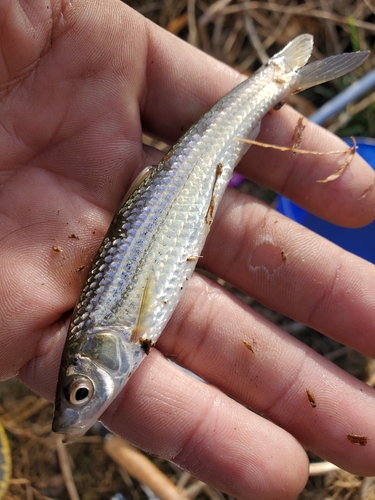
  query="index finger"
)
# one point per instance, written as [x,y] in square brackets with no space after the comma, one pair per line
[183,83]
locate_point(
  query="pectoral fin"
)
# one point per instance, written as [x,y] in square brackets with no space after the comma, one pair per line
[143,324]
[137,182]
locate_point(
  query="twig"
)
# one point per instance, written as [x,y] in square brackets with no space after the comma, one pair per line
[213,494]
[192,23]
[176,25]
[367,190]
[195,489]
[141,468]
[231,38]
[371,7]
[320,468]
[66,470]
[302,10]
[292,150]
[183,479]
[27,433]
[368,488]
[351,110]
[24,403]
[254,39]
[340,169]
[39,404]
[212,10]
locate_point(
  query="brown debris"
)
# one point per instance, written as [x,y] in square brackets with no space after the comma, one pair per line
[211,208]
[367,190]
[248,345]
[193,258]
[343,165]
[210,212]
[311,398]
[146,345]
[358,439]
[279,79]
[298,132]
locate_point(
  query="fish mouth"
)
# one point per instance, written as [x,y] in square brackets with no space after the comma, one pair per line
[69,437]
[67,425]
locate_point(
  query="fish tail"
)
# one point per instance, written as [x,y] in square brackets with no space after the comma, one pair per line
[328,69]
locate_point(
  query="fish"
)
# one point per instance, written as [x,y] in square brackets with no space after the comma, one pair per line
[155,239]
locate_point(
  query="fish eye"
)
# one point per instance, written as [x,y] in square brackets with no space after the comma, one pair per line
[80,391]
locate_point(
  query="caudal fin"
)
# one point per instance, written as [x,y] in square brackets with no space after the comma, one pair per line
[328,69]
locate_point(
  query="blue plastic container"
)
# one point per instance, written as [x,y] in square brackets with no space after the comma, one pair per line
[358,241]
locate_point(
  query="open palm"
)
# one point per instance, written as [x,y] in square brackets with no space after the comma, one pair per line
[78,83]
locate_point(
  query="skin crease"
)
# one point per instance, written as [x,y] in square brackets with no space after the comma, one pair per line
[79,81]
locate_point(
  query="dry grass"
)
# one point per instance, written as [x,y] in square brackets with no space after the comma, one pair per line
[244,35]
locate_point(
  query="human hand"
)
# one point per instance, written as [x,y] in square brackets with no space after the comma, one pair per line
[78,82]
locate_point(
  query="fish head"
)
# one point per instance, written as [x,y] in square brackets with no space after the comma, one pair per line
[93,370]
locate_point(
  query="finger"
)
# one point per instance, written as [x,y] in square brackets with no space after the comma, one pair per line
[349,200]
[183,83]
[292,270]
[201,422]
[207,433]
[207,334]
[271,373]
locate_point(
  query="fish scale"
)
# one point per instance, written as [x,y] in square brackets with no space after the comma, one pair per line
[154,241]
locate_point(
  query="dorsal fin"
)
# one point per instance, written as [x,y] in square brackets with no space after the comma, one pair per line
[297,52]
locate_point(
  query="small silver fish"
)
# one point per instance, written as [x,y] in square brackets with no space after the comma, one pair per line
[155,239]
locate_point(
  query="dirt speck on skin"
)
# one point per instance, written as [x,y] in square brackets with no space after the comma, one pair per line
[248,346]
[358,439]
[311,398]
